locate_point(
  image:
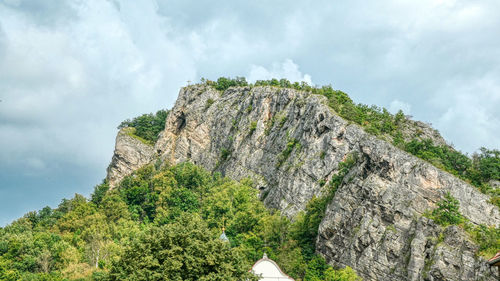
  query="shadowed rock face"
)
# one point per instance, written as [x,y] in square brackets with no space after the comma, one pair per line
[288,142]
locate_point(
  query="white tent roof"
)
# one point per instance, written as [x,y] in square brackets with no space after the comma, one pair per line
[269,270]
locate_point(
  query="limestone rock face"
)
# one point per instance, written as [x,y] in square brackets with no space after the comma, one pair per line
[290,143]
[374,222]
[274,136]
[417,129]
[130,154]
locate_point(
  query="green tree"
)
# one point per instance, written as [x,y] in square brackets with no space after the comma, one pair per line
[447,211]
[99,192]
[147,126]
[345,274]
[224,83]
[488,164]
[183,250]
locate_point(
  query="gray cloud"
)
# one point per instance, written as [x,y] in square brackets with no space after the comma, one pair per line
[42,12]
[71,71]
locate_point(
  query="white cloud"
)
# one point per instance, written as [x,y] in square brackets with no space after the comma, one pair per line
[397,105]
[287,69]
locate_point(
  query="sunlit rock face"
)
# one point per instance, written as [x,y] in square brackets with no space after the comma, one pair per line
[290,143]
[130,154]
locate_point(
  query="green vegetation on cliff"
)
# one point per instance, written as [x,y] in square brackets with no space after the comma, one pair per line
[147,126]
[160,224]
[447,213]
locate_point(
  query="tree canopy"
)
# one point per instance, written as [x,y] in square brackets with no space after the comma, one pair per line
[147,126]
[160,224]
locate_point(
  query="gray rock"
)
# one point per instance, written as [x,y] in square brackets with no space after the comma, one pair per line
[130,154]
[494,184]
[417,129]
[290,143]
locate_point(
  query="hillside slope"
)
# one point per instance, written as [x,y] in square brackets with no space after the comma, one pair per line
[291,144]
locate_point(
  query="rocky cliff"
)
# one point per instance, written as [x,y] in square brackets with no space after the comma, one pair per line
[290,143]
[130,154]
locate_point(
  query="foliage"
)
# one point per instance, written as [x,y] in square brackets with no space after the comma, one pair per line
[345,274]
[224,154]
[283,121]
[147,126]
[447,211]
[224,83]
[160,223]
[209,103]
[488,239]
[99,193]
[183,250]
[486,165]
[253,126]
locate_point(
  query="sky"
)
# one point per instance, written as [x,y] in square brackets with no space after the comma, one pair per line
[71,71]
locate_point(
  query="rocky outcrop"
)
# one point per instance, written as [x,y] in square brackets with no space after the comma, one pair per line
[130,154]
[290,143]
[420,130]
[274,136]
[374,222]
[388,251]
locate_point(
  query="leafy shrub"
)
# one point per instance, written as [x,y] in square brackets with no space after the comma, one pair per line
[488,239]
[282,121]
[224,83]
[209,103]
[183,250]
[345,274]
[322,155]
[147,126]
[253,126]
[224,154]
[447,211]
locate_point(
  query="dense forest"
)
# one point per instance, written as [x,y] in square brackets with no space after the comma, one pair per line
[163,221]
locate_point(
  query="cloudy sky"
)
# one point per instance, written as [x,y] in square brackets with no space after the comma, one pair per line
[70,71]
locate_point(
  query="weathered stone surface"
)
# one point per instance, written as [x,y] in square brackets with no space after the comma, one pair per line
[220,138]
[130,154]
[374,222]
[421,130]
[290,142]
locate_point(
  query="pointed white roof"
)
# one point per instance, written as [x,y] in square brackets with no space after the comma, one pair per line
[269,270]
